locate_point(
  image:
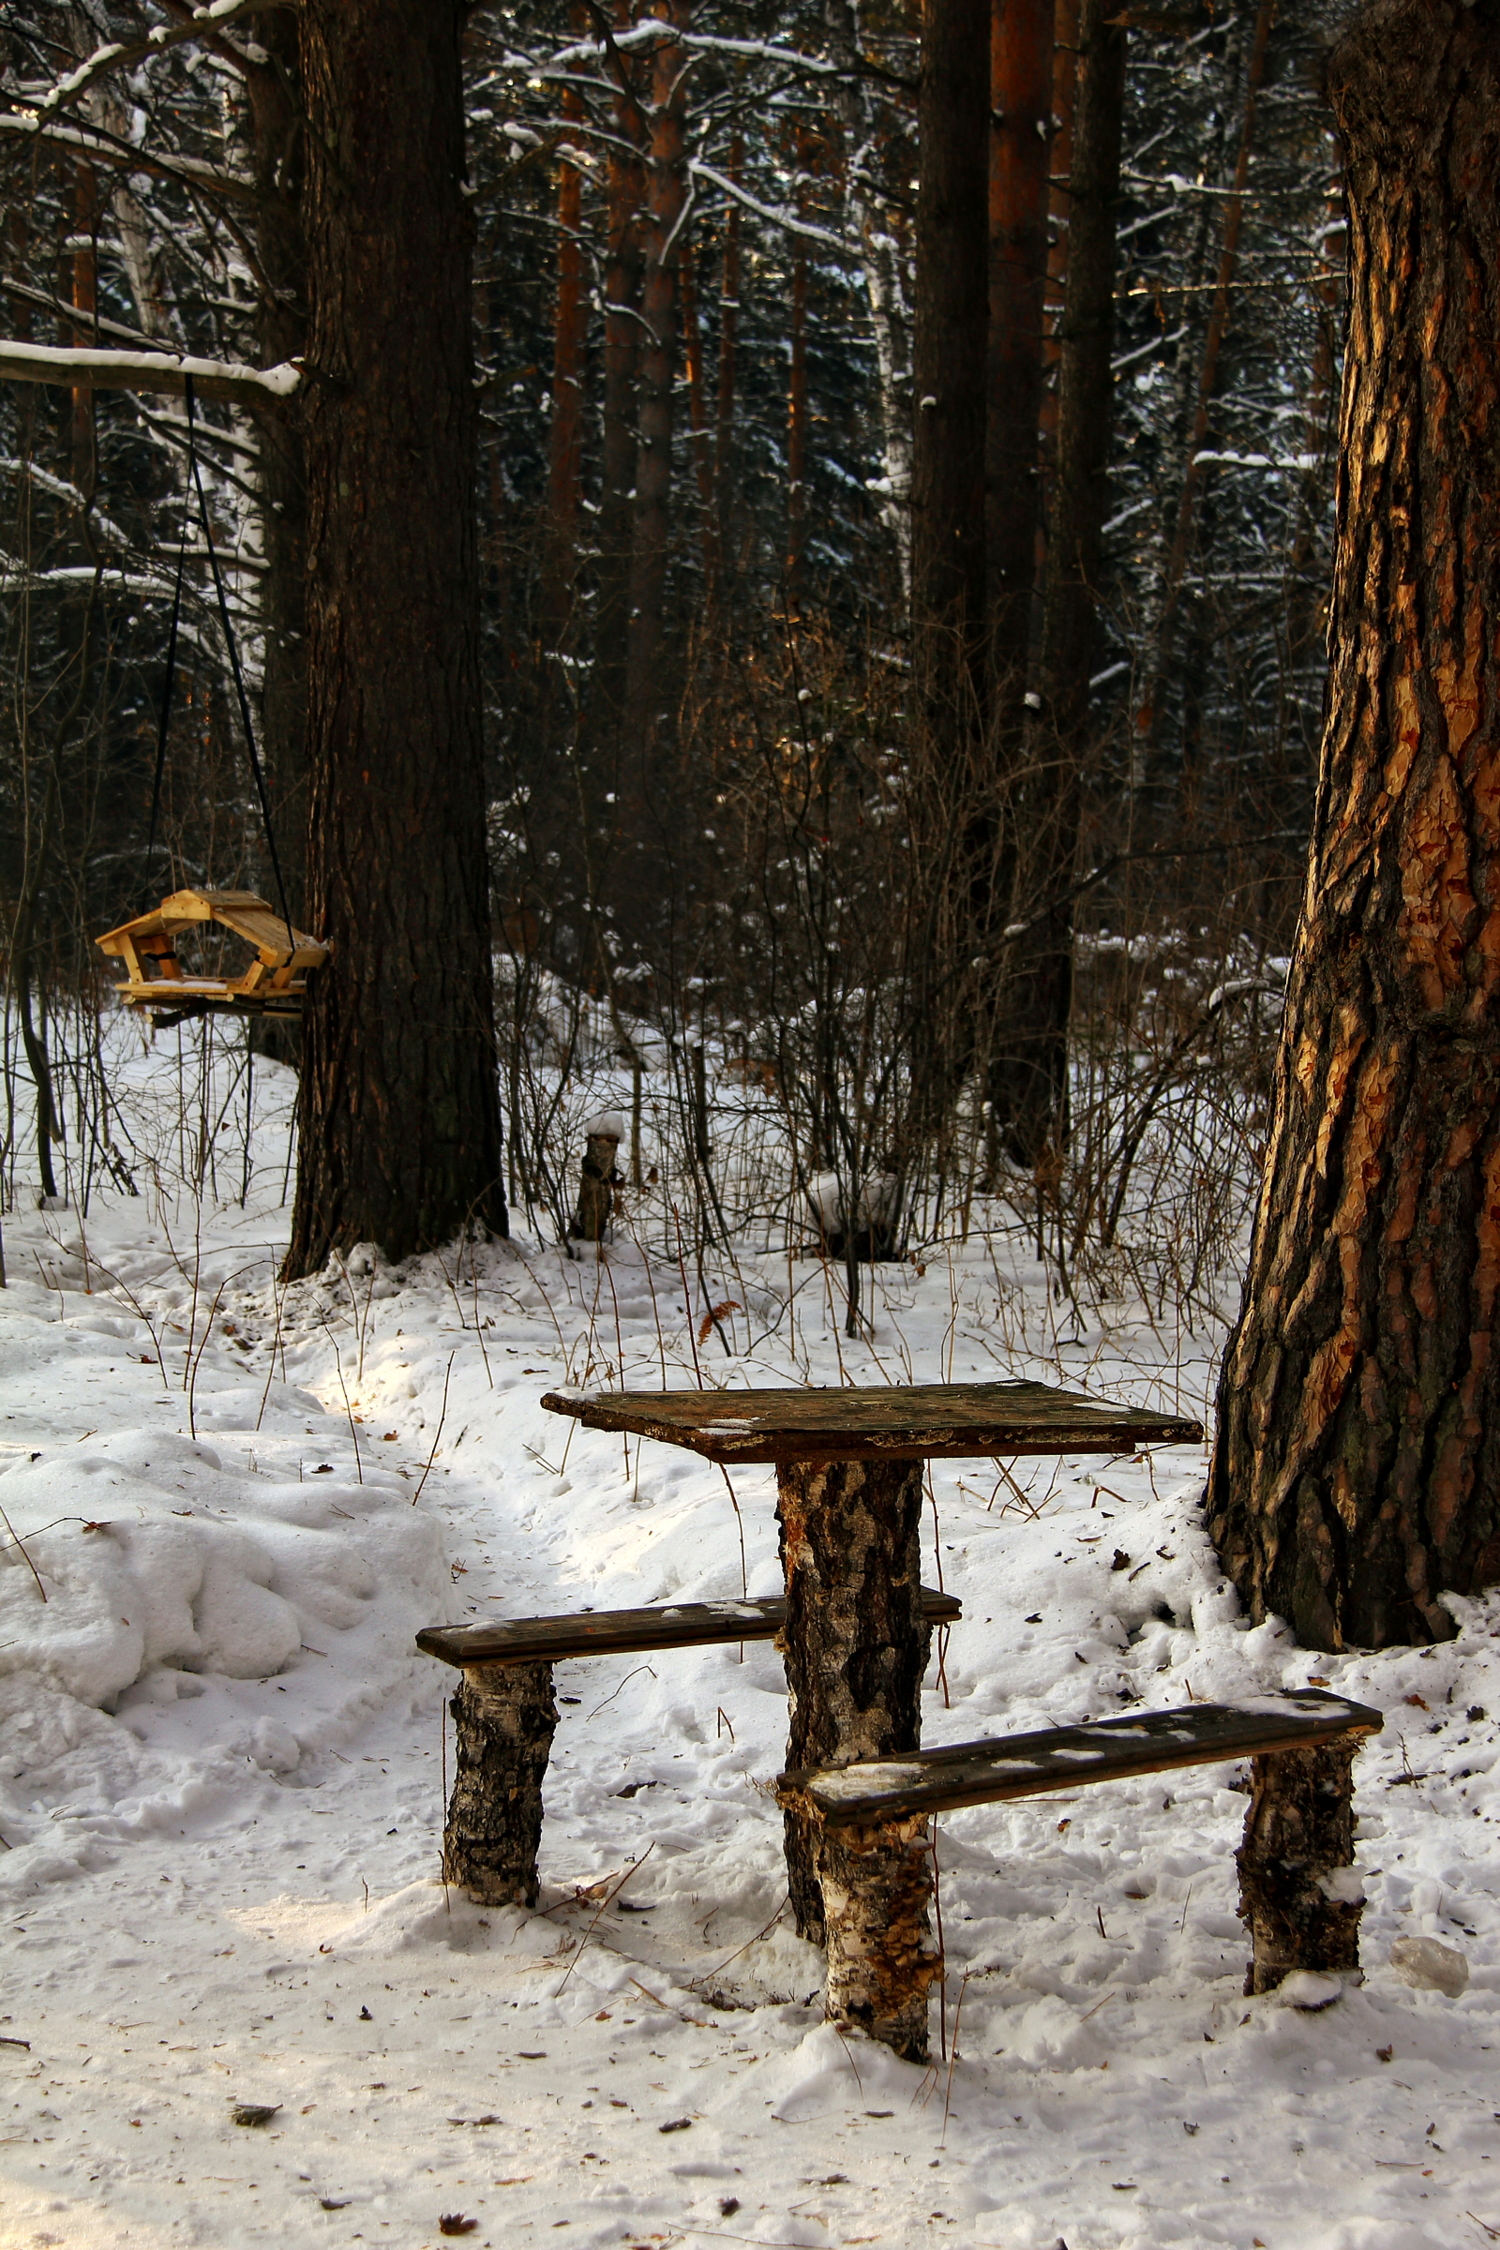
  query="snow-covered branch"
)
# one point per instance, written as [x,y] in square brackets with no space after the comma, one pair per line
[146,371]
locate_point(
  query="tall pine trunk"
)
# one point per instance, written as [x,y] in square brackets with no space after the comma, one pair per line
[400,1115]
[1021,37]
[1040,989]
[617,450]
[951,286]
[666,199]
[1357,1471]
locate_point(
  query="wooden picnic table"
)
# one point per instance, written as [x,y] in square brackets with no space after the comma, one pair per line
[850,1476]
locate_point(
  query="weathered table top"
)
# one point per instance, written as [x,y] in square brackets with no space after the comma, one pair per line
[900,1422]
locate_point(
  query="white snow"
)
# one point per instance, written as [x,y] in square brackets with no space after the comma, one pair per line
[222,1785]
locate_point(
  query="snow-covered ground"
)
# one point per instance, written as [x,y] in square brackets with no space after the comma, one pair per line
[222,1783]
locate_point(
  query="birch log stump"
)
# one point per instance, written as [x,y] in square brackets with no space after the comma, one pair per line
[504,1718]
[1299,1897]
[876,1884]
[855,1639]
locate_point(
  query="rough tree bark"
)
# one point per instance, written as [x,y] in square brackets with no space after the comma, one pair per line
[504,1718]
[666,201]
[1021,37]
[279,158]
[623,266]
[1357,1470]
[1040,993]
[1299,1897]
[400,1114]
[565,442]
[948,362]
[855,1639]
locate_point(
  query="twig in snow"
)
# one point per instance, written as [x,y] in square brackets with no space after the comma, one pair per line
[588,1933]
[30,1565]
[437,1434]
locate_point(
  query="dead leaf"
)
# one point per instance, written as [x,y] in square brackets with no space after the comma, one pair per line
[454,2222]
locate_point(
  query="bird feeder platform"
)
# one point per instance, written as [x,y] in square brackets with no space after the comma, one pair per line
[275,984]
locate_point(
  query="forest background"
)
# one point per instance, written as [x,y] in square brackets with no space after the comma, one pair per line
[937,926]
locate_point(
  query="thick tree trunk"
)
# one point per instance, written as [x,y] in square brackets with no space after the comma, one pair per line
[1032,1103]
[949,370]
[565,447]
[724,403]
[855,1639]
[666,199]
[280,172]
[623,266]
[400,1114]
[1357,1470]
[1020,147]
[951,289]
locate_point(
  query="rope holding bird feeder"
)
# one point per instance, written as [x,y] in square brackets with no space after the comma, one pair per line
[275,984]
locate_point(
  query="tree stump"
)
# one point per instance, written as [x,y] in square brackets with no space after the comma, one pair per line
[875,1885]
[855,1639]
[1297,1901]
[598,1180]
[504,1717]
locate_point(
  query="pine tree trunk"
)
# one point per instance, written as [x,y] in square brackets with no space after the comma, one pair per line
[623,266]
[724,403]
[949,369]
[950,315]
[1357,1469]
[565,445]
[1020,148]
[1040,994]
[279,158]
[400,1115]
[666,198]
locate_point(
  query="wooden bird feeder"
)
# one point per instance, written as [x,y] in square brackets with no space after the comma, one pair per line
[275,984]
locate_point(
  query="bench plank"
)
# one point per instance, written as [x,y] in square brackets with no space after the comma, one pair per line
[895,1421]
[604,1632]
[1028,1765]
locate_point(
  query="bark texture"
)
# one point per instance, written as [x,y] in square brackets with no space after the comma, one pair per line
[882,1961]
[1301,1909]
[952,284]
[1357,1470]
[1030,1078]
[1021,58]
[504,1718]
[400,1114]
[855,1638]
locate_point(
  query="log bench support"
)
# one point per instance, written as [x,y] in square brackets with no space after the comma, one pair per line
[504,1714]
[867,1828]
[1296,1898]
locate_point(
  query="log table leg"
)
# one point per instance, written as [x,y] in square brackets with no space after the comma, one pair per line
[876,1885]
[1298,1900]
[504,1718]
[855,1638]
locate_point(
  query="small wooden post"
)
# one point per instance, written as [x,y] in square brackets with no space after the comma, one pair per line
[876,1883]
[504,1716]
[598,1180]
[636,1179]
[1299,1905]
[856,1638]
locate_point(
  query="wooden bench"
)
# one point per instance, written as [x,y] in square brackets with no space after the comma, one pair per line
[505,1715]
[873,1851]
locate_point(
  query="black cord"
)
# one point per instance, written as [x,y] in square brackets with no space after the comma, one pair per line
[239,678]
[165,716]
